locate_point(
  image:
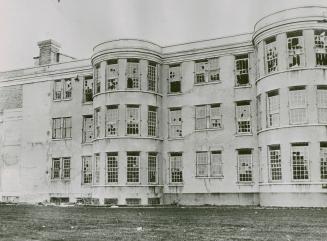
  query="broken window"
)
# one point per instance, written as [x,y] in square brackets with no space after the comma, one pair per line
[112,167]
[97,122]
[176,167]
[243,117]
[112,118]
[206,70]
[295,49]
[87,128]
[97,79]
[57,90]
[87,169]
[67,127]
[152,121]
[297,105]
[112,75]
[175,78]
[208,117]
[96,168]
[133,76]
[273,108]
[271,55]
[323,160]
[133,166]
[88,89]
[62,89]
[133,120]
[322,104]
[300,161]
[61,128]
[152,167]
[67,88]
[152,76]
[245,165]
[242,69]
[321,47]
[60,168]
[275,163]
[175,122]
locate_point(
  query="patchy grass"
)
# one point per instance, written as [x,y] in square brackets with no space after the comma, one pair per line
[26,223]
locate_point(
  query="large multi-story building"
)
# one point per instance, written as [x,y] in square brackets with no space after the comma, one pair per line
[239,120]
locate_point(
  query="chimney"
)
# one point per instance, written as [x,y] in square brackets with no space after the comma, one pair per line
[49,52]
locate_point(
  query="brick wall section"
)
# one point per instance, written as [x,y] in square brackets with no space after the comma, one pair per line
[11,97]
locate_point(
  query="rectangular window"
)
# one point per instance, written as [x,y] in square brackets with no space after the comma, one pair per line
[112,120]
[176,167]
[323,160]
[152,168]
[133,76]
[67,127]
[321,47]
[275,163]
[243,117]
[96,168]
[133,201]
[242,69]
[97,122]
[295,49]
[245,165]
[259,113]
[87,169]
[56,164]
[60,168]
[56,128]
[88,89]
[273,108]
[97,79]
[300,161]
[322,104]
[206,70]
[298,105]
[112,75]
[87,128]
[175,78]
[271,55]
[57,90]
[61,128]
[208,117]
[202,164]
[175,122]
[112,167]
[67,88]
[216,164]
[152,76]
[133,120]
[66,167]
[133,166]
[152,121]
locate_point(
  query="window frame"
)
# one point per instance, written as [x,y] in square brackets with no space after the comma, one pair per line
[293,107]
[175,77]
[87,131]
[62,170]
[153,168]
[208,70]
[112,120]
[112,75]
[248,166]
[152,76]
[87,173]
[133,79]
[175,125]
[133,172]
[275,166]
[112,168]
[209,164]
[96,168]
[208,117]
[273,108]
[270,49]
[295,146]
[241,120]
[322,104]
[133,125]
[176,177]
[153,121]
[87,91]
[241,65]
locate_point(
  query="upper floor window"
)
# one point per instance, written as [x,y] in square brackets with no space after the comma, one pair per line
[60,168]
[133,166]
[208,117]
[207,70]
[273,108]
[295,49]
[209,164]
[152,76]
[86,169]
[322,104]
[300,161]
[323,160]
[175,122]
[62,89]
[243,117]
[112,75]
[97,79]
[176,167]
[275,163]
[297,105]
[321,47]
[112,120]
[175,78]
[271,55]
[242,69]
[61,128]
[88,89]
[97,122]
[133,120]
[244,165]
[133,75]
[87,128]
[152,121]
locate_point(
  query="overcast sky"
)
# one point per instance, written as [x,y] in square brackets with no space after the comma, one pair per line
[81,24]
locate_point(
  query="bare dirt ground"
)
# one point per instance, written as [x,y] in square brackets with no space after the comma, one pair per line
[26,223]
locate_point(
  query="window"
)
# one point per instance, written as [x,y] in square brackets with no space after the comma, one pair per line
[133,74]
[245,165]
[323,160]
[259,113]
[60,168]
[67,89]
[271,55]
[153,201]
[97,79]
[62,89]
[243,117]
[96,168]
[133,201]
[87,169]
[321,47]
[175,122]
[112,119]
[56,128]
[88,89]
[112,167]
[322,104]
[295,49]
[208,117]
[61,128]
[175,78]
[133,120]
[207,70]
[273,108]
[209,164]
[67,127]
[300,161]
[242,69]
[152,168]
[111,201]
[97,122]
[152,121]
[152,76]
[133,166]
[176,169]
[275,163]
[57,90]
[298,105]
[87,128]
[112,75]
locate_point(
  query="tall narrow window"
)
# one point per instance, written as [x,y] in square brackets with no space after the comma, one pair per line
[300,161]
[56,128]
[242,69]
[243,117]
[87,128]
[259,113]
[245,165]
[275,163]
[202,164]
[88,89]
[297,105]
[321,47]
[86,169]
[216,164]
[112,118]
[175,122]
[55,171]
[200,117]
[133,76]
[273,108]
[67,127]
[97,122]
[152,168]
[295,49]
[67,88]
[112,75]
[112,167]
[322,104]
[176,167]
[152,121]
[57,90]
[96,168]
[133,166]
[133,120]
[213,70]
[152,76]
[323,160]
[97,79]
[271,55]
[66,167]
[175,78]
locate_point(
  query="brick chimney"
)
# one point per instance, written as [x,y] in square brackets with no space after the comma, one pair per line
[49,52]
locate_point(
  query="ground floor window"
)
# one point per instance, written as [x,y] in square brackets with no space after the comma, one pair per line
[152,168]
[323,160]
[275,163]
[112,167]
[209,164]
[244,165]
[176,167]
[300,161]
[60,168]
[86,169]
